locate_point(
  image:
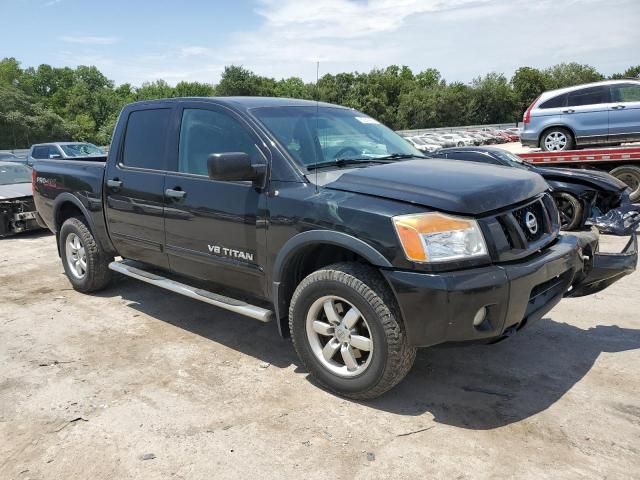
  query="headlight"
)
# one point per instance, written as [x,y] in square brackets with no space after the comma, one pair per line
[435,237]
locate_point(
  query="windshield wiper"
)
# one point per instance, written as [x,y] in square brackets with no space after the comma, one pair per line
[341,162]
[399,156]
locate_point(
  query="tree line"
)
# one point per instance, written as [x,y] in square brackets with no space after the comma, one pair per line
[45,103]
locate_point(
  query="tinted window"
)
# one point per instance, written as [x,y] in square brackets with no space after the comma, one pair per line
[40,152]
[555,102]
[144,141]
[626,93]
[588,96]
[204,132]
[53,150]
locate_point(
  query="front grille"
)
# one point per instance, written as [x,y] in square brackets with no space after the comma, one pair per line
[522,231]
[531,220]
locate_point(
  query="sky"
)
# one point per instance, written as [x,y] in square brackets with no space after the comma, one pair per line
[137,41]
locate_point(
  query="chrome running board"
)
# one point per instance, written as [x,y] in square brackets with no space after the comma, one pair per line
[231,304]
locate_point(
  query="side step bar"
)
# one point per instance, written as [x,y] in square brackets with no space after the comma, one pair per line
[215,299]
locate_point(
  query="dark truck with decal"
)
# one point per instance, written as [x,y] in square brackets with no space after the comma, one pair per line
[323,220]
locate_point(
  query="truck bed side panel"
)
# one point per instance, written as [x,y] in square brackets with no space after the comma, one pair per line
[60,183]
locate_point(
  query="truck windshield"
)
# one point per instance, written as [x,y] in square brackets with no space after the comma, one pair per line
[80,149]
[316,135]
[10,174]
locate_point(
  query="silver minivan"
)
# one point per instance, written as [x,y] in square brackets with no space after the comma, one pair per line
[602,113]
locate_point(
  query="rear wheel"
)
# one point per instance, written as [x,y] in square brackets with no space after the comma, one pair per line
[557,139]
[347,331]
[84,261]
[570,210]
[630,175]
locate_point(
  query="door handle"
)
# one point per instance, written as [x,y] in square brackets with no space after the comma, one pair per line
[115,183]
[174,193]
[569,110]
[617,107]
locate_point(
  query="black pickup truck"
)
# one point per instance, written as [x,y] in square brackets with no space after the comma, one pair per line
[319,218]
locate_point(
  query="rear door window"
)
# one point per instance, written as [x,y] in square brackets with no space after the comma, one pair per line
[145,139]
[588,96]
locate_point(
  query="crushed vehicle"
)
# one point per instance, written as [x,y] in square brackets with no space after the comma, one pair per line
[579,194]
[326,222]
[17,210]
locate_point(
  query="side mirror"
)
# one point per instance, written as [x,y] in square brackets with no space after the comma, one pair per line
[234,166]
[54,156]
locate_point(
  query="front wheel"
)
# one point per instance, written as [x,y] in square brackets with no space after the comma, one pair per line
[346,328]
[557,140]
[570,210]
[84,261]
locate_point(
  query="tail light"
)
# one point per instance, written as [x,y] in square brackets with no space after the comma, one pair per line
[33,179]
[527,114]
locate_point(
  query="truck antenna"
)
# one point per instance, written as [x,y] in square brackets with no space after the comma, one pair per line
[317,114]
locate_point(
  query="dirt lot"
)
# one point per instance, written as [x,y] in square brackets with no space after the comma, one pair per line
[92,386]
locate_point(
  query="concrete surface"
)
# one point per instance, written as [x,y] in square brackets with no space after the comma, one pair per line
[135,382]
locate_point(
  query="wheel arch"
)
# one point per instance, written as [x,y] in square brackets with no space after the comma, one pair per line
[66,206]
[309,251]
[546,128]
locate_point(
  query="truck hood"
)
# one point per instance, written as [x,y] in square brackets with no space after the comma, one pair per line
[457,187]
[15,190]
[594,178]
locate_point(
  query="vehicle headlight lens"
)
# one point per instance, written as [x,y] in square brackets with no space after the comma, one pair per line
[436,237]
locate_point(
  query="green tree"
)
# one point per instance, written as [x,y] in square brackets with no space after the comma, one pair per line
[570,74]
[528,83]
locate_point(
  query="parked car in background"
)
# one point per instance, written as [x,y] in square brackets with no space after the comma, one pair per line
[487,139]
[63,150]
[17,210]
[422,144]
[9,157]
[473,140]
[438,140]
[579,194]
[457,140]
[601,113]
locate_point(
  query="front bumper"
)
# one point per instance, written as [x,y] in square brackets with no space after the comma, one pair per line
[439,308]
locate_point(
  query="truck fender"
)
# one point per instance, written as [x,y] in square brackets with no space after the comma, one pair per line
[316,237]
[66,197]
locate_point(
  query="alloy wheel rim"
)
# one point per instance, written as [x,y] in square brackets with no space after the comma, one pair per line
[555,141]
[76,256]
[339,336]
[566,211]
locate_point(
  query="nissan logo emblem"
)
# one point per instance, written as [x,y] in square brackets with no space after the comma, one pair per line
[531,222]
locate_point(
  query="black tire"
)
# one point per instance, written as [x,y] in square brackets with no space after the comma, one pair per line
[630,175]
[570,210]
[97,274]
[570,141]
[362,286]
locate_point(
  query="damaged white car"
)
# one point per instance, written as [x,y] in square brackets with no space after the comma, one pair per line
[17,211]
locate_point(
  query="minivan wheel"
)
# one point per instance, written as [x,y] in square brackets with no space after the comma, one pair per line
[570,210]
[347,331]
[557,140]
[85,263]
[630,175]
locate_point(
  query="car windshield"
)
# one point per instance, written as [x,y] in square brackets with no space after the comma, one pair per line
[10,174]
[512,159]
[315,135]
[81,149]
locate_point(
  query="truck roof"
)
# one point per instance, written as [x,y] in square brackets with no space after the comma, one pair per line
[246,103]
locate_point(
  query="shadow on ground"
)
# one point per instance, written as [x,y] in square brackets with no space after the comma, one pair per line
[475,387]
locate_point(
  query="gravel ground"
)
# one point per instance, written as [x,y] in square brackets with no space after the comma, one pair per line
[136,382]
